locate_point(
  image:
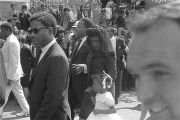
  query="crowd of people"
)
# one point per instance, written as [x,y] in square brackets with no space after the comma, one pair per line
[58,67]
[49,62]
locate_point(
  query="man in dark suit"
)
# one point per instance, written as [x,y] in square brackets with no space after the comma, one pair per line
[119,46]
[49,84]
[78,67]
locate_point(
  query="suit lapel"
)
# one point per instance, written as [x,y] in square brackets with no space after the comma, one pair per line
[81,48]
[75,49]
[43,59]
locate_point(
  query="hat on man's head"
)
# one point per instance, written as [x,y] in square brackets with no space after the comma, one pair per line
[7,25]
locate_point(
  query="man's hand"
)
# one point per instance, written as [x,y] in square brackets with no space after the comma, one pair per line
[78,68]
[9,82]
[69,60]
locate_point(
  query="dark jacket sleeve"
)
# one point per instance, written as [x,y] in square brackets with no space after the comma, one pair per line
[56,83]
[111,65]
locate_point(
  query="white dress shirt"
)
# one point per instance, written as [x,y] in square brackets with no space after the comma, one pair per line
[82,42]
[45,49]
[113,41]
[83,65]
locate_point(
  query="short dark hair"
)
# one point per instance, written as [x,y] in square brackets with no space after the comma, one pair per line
[113,30]
[33,8]
[156,16]
[24,7]
[60,29]
[13,4]
[88,23]
[46,19]
[7,26]
[42,5]
[81,8]
[66,9]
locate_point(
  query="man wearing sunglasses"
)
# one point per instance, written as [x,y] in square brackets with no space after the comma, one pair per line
[49,83]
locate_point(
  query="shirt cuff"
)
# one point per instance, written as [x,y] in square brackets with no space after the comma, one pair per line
[85,67]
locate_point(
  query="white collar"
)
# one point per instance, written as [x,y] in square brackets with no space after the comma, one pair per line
[84,38]
[113,38]
[46,48]
[9,37]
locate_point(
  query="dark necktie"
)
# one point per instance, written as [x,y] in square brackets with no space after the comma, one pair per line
[38,55]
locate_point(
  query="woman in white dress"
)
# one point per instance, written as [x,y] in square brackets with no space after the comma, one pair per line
[104,101]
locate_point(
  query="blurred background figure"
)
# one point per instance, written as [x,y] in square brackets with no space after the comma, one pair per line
[32,10]
[23,18]
[26,63]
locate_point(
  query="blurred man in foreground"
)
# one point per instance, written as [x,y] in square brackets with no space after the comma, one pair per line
[154,60]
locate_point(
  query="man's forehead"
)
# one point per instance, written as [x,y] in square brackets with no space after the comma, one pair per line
[35,24]
[161,39]
[155,45]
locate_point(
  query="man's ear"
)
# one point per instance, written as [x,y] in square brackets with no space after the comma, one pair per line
[51,31]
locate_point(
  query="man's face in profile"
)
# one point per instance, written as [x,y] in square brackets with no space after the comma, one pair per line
[154,59]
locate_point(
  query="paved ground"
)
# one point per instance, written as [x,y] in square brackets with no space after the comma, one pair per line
[128,108]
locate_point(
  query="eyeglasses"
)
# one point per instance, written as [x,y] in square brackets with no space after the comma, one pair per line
[35,30]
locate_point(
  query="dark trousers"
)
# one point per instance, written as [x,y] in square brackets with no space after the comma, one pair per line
[118,84]
[87,105]
[75,99]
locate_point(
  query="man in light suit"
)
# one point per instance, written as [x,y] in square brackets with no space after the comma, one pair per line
[11,54]
[49,84]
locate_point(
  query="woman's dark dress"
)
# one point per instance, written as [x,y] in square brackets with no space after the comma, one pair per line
[96,64]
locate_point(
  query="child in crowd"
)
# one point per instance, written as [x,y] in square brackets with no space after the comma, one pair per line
[104,101]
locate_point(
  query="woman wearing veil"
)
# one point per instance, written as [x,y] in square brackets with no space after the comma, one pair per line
[101,58]
[3,80]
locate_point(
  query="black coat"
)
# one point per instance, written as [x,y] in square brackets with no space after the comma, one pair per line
[27,64]
[49,87]
[78,82]
[98,63]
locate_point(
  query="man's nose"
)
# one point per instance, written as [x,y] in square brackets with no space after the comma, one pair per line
[146,88]
[32,34]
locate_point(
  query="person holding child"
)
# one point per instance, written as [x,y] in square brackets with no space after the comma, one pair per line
[101,58]
[104,101]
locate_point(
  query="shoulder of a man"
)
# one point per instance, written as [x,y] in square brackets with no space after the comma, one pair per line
[13,39]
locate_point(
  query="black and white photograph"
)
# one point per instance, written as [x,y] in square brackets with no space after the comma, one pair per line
[89,59]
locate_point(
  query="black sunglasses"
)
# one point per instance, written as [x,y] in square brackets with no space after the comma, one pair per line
[35,30]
